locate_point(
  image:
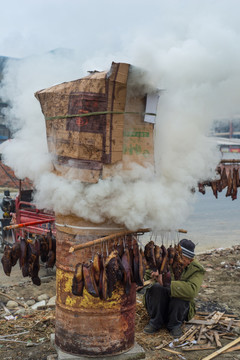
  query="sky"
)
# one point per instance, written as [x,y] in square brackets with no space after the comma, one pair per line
[190,48]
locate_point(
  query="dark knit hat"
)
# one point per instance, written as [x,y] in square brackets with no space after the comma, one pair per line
[187,248]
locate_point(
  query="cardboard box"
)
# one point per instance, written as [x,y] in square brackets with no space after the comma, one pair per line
[94,123]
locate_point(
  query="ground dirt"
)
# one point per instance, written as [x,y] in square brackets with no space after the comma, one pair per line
[220,291]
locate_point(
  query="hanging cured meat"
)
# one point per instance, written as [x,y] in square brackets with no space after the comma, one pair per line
[229,178]
[29,252]
[77,283]
[104,273]
[51,256]
[114,271]
[103,288]
[127,278]
[230,184]
[177,265]
[97,266]
[224,178]
[89,280]
[235,181]
[149,253]
[214,188]
[15,253]
[7,260]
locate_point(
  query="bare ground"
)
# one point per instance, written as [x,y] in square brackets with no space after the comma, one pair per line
[220,291]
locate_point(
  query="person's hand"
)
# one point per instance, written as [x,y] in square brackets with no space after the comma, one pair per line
[167,279]
[156,276]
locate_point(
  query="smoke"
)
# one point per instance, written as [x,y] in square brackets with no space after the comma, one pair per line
[199,74]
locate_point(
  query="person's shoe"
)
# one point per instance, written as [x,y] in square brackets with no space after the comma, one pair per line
[149,329]
[176,332]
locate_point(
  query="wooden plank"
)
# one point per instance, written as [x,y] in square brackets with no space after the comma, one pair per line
[200,333]
[228,337]
[187,333]
[217,340]
[165,343]
[198,347]
[201,322]
[209,336]
[172,351]
[217,316]
[226,334]
[211,314]
[234,348]
[191,336]
[220,351]
[44,307]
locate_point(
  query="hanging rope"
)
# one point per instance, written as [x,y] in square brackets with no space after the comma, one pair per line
[96,113]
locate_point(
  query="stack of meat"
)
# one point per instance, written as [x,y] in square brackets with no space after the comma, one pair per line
[126,264]
[29,252]
[228,178]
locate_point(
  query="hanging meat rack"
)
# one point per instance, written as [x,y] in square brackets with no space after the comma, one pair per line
[112,237]
[227,177]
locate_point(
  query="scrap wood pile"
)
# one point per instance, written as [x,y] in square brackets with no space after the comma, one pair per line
[29,252]
[208,330]
[204,332]
[227,177]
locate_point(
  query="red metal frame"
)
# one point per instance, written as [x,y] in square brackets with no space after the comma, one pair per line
[28,212]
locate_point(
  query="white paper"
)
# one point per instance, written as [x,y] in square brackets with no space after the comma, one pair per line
[151,107]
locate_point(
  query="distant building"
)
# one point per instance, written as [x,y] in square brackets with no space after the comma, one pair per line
[227,131]
[226,128]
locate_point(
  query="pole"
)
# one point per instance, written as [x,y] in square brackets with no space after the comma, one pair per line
[38,222]
[110,237]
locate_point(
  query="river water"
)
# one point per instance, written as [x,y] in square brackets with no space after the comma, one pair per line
[214,223]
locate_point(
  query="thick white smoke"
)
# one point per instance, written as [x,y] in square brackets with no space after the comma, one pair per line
[198,88]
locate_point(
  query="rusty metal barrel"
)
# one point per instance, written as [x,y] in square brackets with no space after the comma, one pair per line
[88,325]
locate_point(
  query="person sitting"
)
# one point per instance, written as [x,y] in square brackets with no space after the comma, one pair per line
[171,305]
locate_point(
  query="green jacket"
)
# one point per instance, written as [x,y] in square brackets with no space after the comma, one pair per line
[189,285]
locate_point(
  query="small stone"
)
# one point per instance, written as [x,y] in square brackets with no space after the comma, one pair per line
[30,302]
[30,344]
[52,357]
[11,304]
[38,304]
[52,301]
[43,297]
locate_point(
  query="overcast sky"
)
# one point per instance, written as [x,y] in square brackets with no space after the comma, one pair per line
[29,27]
